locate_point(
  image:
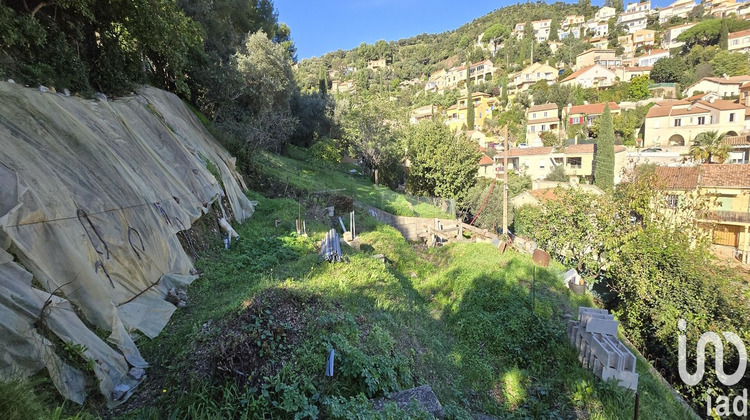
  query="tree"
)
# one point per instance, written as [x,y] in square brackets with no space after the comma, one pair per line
[495,34]
[604,158]
[724,35]
[491,216]
[709,147]
[469,101]
[731,64]
[638,88]
[708,32]
[368,127]
[668,70]
[549,139]
[441,163]
[553,35]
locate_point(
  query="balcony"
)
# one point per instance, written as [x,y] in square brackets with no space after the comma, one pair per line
[726,216]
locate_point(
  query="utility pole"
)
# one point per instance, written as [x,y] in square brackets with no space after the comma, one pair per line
[505,182]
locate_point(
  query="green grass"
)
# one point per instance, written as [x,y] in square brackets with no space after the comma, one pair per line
[458,318]
[308,177]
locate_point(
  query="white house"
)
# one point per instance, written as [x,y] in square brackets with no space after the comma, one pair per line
[652,57]
[633,21]
[591,76]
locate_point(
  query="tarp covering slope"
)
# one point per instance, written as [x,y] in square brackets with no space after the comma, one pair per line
[92,196]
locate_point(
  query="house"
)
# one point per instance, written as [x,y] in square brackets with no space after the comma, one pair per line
[541,118]
[680,8]
[455,76]
[626,74]
[600,43]
[739,41]
[376,64]
[648,60]
[486,167]
[574,31]
[643,37]
[605,13]
[603,57]
[633,21]
[586,114]
[644,6]
[532,74]
[745,94]
[725,87]
[728,218]
[541,29]
[484,105]
[597,28]
[545,191]
[678,122]
[484,141]
[739,149]
[572,20]
[669,38]
[423,113]
[481,71]
[591,76]
[343,86]
[576,160]
[721,8]
[436,82]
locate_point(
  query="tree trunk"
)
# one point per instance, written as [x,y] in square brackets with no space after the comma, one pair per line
[376,178]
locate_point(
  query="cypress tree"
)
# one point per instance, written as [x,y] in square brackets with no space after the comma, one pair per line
[604,155]
[724,35]
[469,101]
[553,36]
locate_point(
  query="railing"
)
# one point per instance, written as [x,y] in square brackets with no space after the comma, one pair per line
[726,216]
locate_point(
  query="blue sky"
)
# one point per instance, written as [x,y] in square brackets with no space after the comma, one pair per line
[321,26]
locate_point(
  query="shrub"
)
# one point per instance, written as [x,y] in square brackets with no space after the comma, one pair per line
[326,152]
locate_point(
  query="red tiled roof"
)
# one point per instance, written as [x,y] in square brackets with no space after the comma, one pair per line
[485,161]
[725,175]
[543,120]
[678,178]
[543,107]
[575,75]
[592,109]
[731,80]
[739,34]
[654,52]
[545,194]
[529,151]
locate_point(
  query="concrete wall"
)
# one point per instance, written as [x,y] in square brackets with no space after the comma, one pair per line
[410,227]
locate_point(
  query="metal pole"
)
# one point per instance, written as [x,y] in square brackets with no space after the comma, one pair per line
[533,290]
[635,415]
[505,182]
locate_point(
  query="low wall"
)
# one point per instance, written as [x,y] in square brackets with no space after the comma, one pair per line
[409,226]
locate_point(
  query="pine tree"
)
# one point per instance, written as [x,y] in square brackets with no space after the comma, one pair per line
[604,155]
[553,36]
[469,101]
[724,36]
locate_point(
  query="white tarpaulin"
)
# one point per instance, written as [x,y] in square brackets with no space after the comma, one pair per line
[92,196]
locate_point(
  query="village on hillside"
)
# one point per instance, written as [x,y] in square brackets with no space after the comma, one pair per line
[700,128]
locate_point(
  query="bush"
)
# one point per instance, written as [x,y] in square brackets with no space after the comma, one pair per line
[326,152]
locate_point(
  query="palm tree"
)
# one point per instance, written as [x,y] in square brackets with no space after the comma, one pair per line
[709,147]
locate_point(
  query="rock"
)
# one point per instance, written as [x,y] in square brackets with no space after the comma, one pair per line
[43,88]
[380,257]
[100,97]
[52,89]
[11,81]
[137,373]
[413,275]
[423,395]
[120,391]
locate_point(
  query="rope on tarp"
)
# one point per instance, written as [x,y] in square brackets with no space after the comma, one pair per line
[130,240]
[80,213]
[187,238]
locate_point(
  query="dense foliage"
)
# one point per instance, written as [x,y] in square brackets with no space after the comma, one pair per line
[604,156]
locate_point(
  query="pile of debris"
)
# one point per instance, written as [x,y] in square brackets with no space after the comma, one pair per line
[330,248]
[594,335]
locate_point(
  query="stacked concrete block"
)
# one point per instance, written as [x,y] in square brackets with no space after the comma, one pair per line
[594,335]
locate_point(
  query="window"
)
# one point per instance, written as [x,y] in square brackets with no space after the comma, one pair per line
[544,127]
[545,113]
[672,201]
[541,164]
[677,122]
[701,120]
[574,163]
[532,128]
[731,117]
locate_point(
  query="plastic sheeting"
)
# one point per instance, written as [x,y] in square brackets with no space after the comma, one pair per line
[92,195]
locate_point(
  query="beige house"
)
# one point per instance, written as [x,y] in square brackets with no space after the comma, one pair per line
[376,64]
[679,8]
[436,82]
[676,123]
[728,218]
[591,76]
[423,113]
[626,74]
[669,39]
[541,118]
[739,41]
[576,160]
[648,60]
[643,37]
[532,74]
[573,20]
[604,13]
[725,87]
[541,29]
[599,42]
[603,57]
[486,167]
[481,71]
[454,76]
[586,114]
[643,6]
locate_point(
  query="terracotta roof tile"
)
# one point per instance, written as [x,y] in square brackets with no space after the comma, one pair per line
[592,109]
[485,161]
[543,120]
[677,178]
[725,175]
[739,34]
[529,151]
[543,107]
